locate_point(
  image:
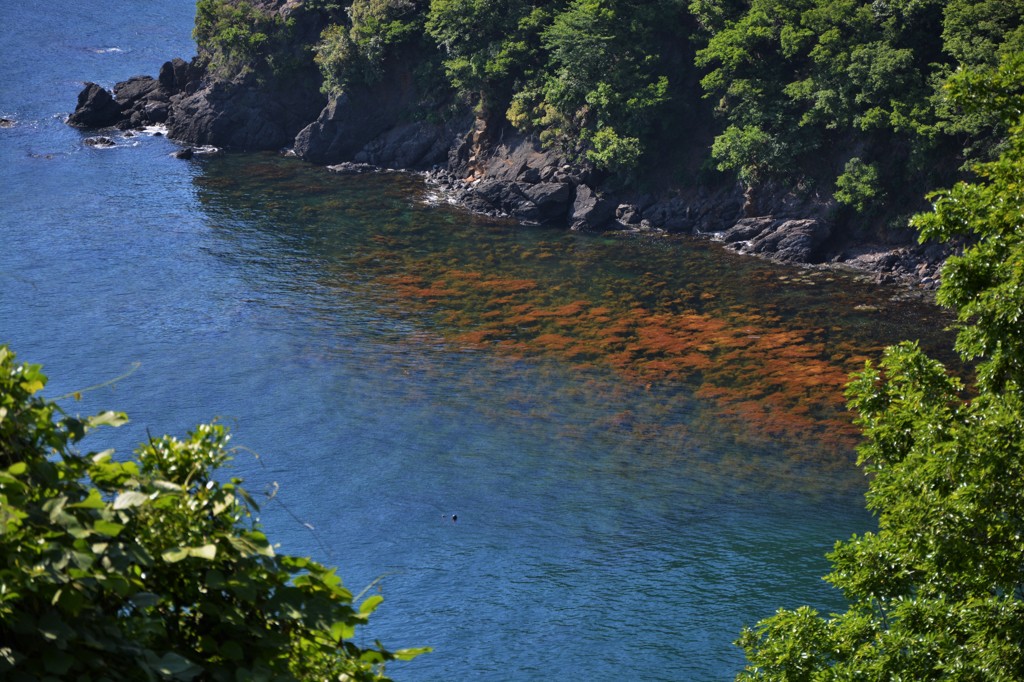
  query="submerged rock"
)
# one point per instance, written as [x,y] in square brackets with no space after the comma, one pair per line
[351,168]
[98,142]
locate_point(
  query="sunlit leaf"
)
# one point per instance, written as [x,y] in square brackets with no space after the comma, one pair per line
[409,654]
[129,499]
[32,386]
[370,604]
[174,555]
[93,501]
[208,552]
[108,418]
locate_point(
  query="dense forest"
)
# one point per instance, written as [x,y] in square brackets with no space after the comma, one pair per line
[846,100]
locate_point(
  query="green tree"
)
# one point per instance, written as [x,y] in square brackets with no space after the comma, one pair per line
[938,591]
[490,47]
[356,51]
[865,78]
[235,37]
[604,77]
[151,567]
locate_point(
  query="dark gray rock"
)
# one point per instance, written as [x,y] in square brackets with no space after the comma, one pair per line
[156,112]
[529,176]
[374,122]
[628,214]
[672,214]
[7,122]
[100,142]
[176,75]
[129,92]
[344,127]
[352,168]
[796,241]
[241,114]
[590,210]
[747,229]
[785,241]
[551,199]
[96,108]
[413,146]
[186,153]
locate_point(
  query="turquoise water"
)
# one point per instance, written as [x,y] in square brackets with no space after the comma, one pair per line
[385,361]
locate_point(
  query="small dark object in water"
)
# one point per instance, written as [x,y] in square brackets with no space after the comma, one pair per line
[98,142]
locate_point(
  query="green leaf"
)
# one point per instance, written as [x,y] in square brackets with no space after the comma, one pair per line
[145,600]
[208,552]
[109,528]
[215,579]
[130,498]
[175,555]
[409,654]
[370,604]
[372,656]
[93,501]
[342,630]
[17,469]
[108,418]
[174,665]
[104,456]
[231,651]
[32,386]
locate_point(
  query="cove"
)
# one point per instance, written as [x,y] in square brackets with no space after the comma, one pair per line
[643,438]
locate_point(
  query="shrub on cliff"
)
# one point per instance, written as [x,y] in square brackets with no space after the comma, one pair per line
[151,568]
[356,51]
[235,37]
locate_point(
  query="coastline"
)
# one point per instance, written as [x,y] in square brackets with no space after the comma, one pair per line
[498,173]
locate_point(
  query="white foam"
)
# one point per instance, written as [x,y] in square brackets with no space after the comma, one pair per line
[105,50]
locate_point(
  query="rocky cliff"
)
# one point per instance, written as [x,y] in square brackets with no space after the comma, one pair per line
[484,165]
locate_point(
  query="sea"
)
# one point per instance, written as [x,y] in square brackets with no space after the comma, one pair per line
[556,455]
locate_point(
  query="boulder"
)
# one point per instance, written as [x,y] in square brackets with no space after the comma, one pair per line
[96,108]
[551,199]
[747,228]
[128,93]
[628,214]
[415,146]
[175,75]
[100,142]
[785,241]
[590,210]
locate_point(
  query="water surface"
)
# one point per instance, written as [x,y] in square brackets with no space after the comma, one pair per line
[642,437]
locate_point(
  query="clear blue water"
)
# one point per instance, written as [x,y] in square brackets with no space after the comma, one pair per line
[608,527]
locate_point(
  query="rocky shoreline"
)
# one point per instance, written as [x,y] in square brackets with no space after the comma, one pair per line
[492,172]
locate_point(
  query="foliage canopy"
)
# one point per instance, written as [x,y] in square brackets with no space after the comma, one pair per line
[846,97]
[938,591]
[152,567]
